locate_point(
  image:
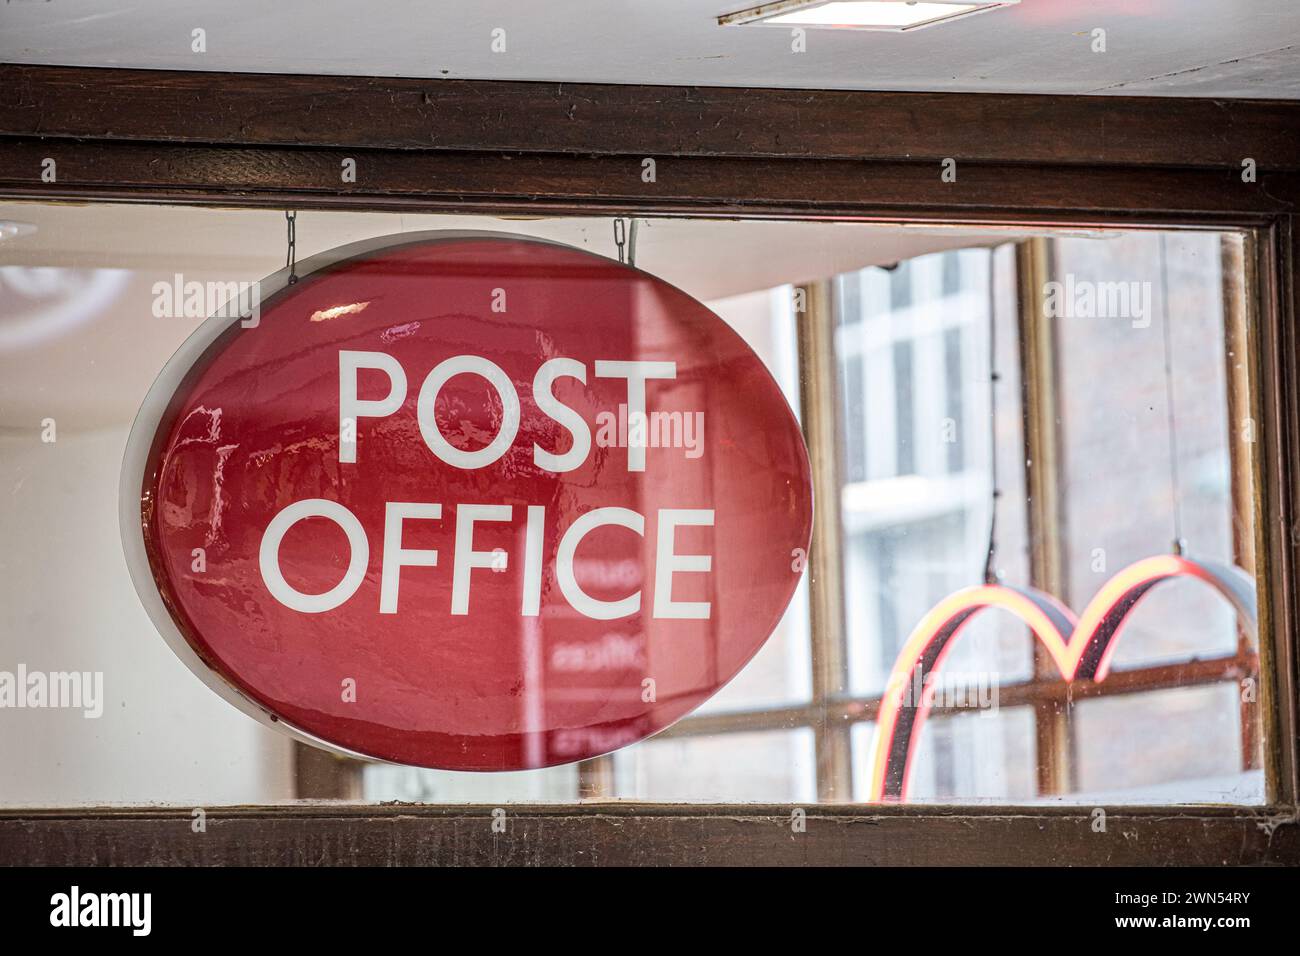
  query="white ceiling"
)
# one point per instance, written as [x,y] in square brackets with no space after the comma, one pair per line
[1212,48]
[79,341]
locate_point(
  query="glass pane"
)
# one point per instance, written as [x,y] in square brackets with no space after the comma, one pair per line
[917,513]
[1169,449]
[984,756]
[1124,398]
[416,785]
[943,394]
[772,767]
[1165,747]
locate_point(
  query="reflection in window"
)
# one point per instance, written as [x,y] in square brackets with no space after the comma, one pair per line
[1077,433]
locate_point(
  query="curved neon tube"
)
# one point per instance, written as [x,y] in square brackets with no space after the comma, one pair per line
[1080,649]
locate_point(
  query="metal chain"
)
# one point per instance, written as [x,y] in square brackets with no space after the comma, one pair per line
[291,256]
[620,239]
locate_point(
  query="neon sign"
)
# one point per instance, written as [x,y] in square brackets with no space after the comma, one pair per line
[1081,649]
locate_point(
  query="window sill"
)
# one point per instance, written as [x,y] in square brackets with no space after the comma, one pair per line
[652,834]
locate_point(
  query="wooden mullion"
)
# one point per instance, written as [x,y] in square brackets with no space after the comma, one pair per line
[321,775]
[1241,442]
[1054,693]
[596,778]
[820,413]
[1043,508]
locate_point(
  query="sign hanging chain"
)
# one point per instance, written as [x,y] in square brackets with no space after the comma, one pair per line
[291,255]
[625,240]
[1175,489]
[620,239]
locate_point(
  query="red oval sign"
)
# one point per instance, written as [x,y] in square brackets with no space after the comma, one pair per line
[467,501]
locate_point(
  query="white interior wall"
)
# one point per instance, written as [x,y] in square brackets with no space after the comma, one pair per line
[67,604]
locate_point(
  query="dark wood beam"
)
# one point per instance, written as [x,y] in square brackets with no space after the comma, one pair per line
[430,114]
[535,183]
[628,834]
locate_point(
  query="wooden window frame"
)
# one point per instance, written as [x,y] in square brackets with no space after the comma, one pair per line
[507,148]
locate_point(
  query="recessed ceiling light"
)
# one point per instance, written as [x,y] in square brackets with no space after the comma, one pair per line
[896,15]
